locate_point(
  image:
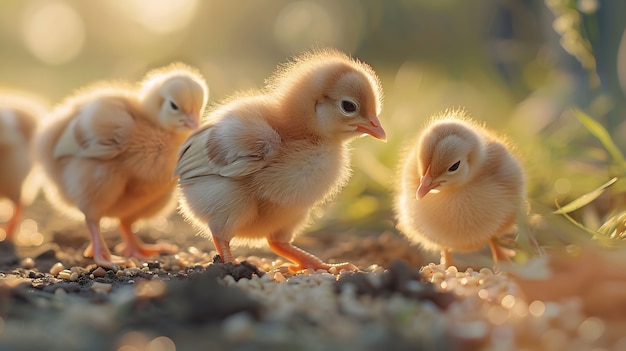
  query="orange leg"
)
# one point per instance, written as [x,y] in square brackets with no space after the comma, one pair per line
[133,246]
[499,253]
[99,250]
[223,249]
[14,221]
[446,258]
[303,259]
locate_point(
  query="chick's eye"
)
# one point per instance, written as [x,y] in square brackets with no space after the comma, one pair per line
[173,106]
[454,167]
[348,107]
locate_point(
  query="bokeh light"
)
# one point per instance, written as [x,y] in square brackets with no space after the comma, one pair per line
[158,16]
[537,308]
[303,24]
[6,210]
[53,32]
[29,234]
[161,343]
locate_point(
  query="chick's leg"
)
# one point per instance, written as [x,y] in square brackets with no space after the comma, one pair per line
[133,246]
[499,253]
[14,221]
[223,249]
[446,258]
[99,250]
[303,259]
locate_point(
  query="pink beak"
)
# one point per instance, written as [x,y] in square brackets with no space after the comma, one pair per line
[426,185]
[373,128]
[192,121]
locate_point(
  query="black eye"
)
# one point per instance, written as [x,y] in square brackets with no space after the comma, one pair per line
[454,167]
[173,106]
[348,107]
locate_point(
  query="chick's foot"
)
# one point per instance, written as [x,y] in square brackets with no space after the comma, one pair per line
[304,260]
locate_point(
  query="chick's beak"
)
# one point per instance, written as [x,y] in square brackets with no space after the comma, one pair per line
[426,185]
[192,121]
[373,128]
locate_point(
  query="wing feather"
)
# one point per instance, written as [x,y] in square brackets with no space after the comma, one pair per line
[232,148]
[101,130]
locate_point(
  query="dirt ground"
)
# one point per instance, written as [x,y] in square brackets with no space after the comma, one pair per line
[180,301]
[53,298]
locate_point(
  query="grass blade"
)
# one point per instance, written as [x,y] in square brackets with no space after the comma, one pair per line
[585,199]
[575,222]
[602,134]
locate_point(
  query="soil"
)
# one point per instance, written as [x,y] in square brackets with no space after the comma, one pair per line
[53,298]
[178,301]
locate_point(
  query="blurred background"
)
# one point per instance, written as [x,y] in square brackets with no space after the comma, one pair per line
[518,65]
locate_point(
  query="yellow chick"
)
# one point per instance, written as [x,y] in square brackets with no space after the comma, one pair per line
[19,117]
[253,172]
[460,188]
[111,151]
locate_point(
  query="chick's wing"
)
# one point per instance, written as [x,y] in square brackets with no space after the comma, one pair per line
[232,147]
[100,129]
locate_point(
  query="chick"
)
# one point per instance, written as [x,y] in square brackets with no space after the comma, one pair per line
[19,117]
[263,160]
[111,151]
[460,188]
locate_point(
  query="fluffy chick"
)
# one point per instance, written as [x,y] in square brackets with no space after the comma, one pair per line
[19,117]
[263,160]
[111,151]
[460,189]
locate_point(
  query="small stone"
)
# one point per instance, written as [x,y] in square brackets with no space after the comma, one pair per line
[74,276]
[452,270]
[28,263]
[99,272]
[64,274]
[279,277]
[56,268]
[101,287]
[150,289]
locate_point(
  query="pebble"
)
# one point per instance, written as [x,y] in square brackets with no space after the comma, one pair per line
[99,272]
[74,276]
[64,274]
[101,287]
[27,263]
[56,268]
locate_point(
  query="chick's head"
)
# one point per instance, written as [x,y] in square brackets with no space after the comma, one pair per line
[176,95]
[450,153]
[339,97]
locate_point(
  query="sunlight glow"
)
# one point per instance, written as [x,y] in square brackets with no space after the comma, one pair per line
[53,32]
[6,210]
[301,23]
[158,16]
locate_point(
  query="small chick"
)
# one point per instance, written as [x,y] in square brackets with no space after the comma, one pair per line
[460,189]
[19,117]
[111,151]
[263,160]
